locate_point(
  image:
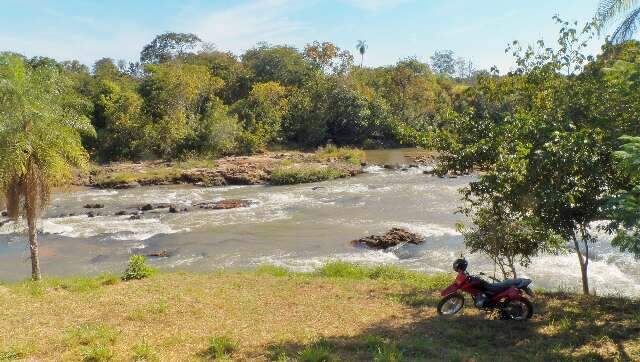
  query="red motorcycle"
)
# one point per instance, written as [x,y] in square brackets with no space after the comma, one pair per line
[507,298]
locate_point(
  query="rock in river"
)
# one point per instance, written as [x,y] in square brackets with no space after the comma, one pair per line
[393,237]
[224,204]
[94,206]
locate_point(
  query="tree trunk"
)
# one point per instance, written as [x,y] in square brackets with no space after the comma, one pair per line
[361,60]
[33,246]
[584,264]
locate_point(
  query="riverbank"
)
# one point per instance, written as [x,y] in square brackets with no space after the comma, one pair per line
[341,311]
[270,167]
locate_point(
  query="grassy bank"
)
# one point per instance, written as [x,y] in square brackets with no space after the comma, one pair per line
[341,312]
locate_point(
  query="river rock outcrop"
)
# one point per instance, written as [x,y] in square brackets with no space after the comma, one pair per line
[392,238]
[224,204]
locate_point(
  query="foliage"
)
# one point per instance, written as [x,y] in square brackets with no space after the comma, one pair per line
[137,269]
[168,46]
[444,62]
[144,352]
[328,57]
[330,152]
[541,138]
[508,238]
[624,206]
[261,115]
[291,175]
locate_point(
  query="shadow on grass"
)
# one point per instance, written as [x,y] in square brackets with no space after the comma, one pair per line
[564,328]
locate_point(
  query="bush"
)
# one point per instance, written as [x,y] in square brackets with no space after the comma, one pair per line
[304,174]
[137,269]
[330,152]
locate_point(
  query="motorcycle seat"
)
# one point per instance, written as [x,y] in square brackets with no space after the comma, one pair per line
[519,283]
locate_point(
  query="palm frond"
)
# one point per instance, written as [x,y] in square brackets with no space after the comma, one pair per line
[627,28]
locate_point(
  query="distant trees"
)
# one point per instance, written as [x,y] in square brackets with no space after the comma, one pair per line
[42,119]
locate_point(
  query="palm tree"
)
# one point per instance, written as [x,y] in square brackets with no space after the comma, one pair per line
[362,48]
[41,124]
[628,10]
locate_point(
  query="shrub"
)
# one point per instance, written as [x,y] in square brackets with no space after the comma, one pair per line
[137,269]
[304,174]
[330,152]
[220,347]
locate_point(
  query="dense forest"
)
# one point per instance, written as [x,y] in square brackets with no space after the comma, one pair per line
[185,98]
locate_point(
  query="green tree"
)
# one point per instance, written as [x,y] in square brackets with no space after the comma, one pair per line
[629,10]
[282,64]
[175,97]
[544,155]
[328,57]
[261,115]
[168,46]
[362,47]
[41,123]
[444,62]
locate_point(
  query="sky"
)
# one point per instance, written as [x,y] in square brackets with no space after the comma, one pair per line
[88,30]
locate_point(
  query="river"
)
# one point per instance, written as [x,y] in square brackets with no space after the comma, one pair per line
[299,227]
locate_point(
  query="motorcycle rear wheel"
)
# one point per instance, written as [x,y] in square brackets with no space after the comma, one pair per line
[451,304]
[518,310]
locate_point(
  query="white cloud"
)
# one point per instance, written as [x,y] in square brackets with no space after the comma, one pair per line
[242,26]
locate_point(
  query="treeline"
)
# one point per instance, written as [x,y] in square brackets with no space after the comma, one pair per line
[185,98]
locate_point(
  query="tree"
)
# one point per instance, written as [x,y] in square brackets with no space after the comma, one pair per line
[282,64]
[261,115]
[508,238]
[175,97]
[629,10]
[444,62]
[362,47]
[42,120]
[168,46]
[544,152]
[328,57]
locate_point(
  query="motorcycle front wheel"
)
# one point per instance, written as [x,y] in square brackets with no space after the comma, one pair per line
[451,304]
[518,310]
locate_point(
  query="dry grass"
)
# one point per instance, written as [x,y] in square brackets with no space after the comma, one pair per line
[272,314]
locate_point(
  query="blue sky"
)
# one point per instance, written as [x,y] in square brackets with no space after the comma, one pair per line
[479,30]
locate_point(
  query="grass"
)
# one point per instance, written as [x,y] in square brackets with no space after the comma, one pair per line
[290,175]
[338,312]
[331,153]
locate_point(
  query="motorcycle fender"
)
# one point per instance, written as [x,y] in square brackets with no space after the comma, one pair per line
[450,289]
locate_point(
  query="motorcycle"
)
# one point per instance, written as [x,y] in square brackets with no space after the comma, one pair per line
[507,298]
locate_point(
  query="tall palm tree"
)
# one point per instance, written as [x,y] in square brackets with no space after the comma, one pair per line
[362,48]
[627,10]
[41,124]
